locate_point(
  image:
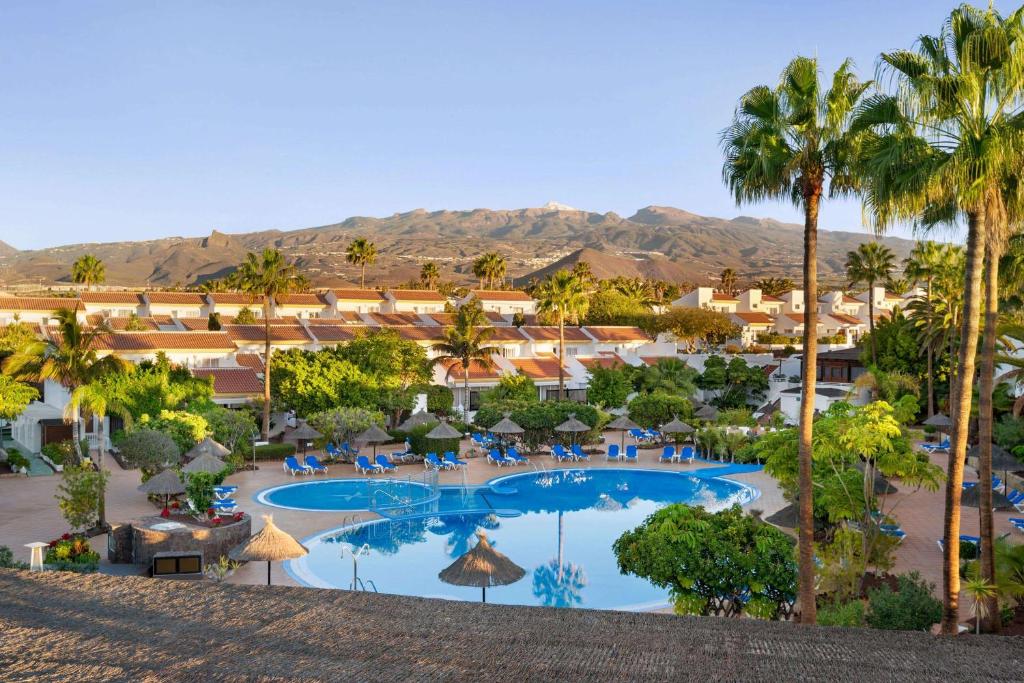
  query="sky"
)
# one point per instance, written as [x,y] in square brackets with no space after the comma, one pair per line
[136,120]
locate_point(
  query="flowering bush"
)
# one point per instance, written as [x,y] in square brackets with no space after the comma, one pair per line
[72,553]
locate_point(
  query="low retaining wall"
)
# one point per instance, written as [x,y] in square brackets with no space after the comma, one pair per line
[212,542]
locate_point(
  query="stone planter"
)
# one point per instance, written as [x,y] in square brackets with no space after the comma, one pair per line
[151,535]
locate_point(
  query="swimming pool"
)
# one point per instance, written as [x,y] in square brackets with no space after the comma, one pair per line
[558,525]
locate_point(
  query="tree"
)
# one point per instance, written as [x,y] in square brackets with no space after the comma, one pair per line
[517,387]
[184,428]
[68,357]
[584,272]
[563,296]
[869,264]
[150,450]
[923,264]
[268,275]
[638,292]
[233,429]
[787,143]
[213,322]
[724,563]
[611,307]
[670,375]
[695,326]
[88,270]
[245,316]
[653,410]
[943,146]
[393,362]
[465,346]
[429,274]
[608,387]
[79,496]
[14,397]
[13,336]
[489,268]
[361,252]
[774,286]
[339,425]
[728,281]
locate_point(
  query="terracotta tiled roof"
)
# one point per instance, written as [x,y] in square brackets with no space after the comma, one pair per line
[235,299]
[335,333]
[847,299]
[37,303]
[607,333]
[550,333]
[602,361]
[449,318]
[769,369]
[121,323]
[250,360]
[395,319]
[755,318]
[430,333]
[543,368]
[506,334]
[477,372]
[299,300]
[722,296]
[232,381]
[344,318]
[134,298]
[176,298]
[203,323]
[846,319]
[416,295]
[169,341]
[770,298]
[500,295]
[279,334]
[358,295]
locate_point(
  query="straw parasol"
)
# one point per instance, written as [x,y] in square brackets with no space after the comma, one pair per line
[304,434]
[506,426]
[207,447]
[270,544]
[416,419]
[940,422]
[572,426]
[677,427]
[374,435]
[165,484]
[444,431]
[1002,460]
[204,463]
[622,424]
[482,566]
[971,497]
[706,412]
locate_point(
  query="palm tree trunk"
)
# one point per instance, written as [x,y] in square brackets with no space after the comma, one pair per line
[561,355]
[871,322]
[265,430]
[101,504]
[960,409]
[465,391]
[807,597]
[985,387]
[362,275]
[931,353]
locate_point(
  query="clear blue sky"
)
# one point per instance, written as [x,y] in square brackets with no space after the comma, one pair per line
[132,120]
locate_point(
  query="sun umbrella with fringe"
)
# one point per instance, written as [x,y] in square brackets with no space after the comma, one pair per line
[940,422]
[204,463]
[444,431]
[416,419]
[269,544]
[505,427]
[622,424]
[481,567]
[166,484]
[207,447]
[374,435]
[1002,461]
[303,434]
[971,497]
[676,427]
[572,426]
[706,412]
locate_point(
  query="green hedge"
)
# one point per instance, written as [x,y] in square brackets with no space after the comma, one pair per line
[421,445]
[273,451]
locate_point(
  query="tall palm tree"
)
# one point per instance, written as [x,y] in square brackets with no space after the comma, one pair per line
[774,286]
[429,274]
[465,344]
[361,252]
[869,264]
[267,275]
[728,281]
[88,270]
[793,142]
[490,268]
[638,291]
[940,148]
[564,296]
[69,357]
[584,272]
[922,265]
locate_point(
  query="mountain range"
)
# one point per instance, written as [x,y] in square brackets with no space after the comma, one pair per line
[657,241]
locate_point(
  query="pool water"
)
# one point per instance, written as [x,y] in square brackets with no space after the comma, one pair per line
[330,495]
[559,526]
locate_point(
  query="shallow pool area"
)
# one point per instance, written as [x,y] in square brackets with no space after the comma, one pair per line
[558,525]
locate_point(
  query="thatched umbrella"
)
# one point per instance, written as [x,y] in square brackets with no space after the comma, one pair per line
[444,431]
[622,424]
[972,498]
[677,427]
[304,434]
[706,412]
[1002,460]
[204,463]
[940,422]
[572,426]
[165,484]
[505,427]
[482,566]
[416,419]
[374,435]
[270,544]
[207,447]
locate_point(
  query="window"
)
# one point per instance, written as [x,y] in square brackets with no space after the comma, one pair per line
[474,399]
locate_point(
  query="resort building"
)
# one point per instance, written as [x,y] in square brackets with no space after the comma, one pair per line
[884,301]
[177,304]
[233,387]
[504,302]
[356,300]
[302,306]
[414,301]
[33,310]
[708,297]
[230,304]
[113,304]
[752,324]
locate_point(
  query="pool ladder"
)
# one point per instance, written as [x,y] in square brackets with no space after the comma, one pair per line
[351,520]
[357,583]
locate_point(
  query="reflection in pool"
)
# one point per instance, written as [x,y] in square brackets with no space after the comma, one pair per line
[559,526]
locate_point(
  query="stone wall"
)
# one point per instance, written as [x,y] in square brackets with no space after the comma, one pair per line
[212,542]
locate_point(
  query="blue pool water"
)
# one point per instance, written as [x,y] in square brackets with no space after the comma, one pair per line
[559,526]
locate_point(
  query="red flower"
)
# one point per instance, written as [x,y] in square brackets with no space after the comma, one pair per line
[215,521]
[165,513]
[238,516]
[176,505]
[66,537]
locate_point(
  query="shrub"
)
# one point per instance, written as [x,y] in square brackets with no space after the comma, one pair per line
[199,489]
[654,410]
[150,450]
[439,399]
[842,614]
[231,428]
[511,388]
[15,460]
[539,419]
[910,608]
[72,554]
[187,429]
[609,387]
[344,424]
[421,445]
[275,451]
[7,560]
[78,495]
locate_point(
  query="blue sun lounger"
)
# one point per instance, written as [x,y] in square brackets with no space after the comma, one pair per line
[495,456]
[384,464]
[431,461]
[579,453]
[517,459]
[668,454]
[314,465]
[631,454]
[613,452]
[964,538]
[686,454]
[559,453]
[452,461]
[364,466]
[292,466]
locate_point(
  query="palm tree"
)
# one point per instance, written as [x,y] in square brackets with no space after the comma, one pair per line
[923,264]
[774,286]
[70,358]
[88,270]
[361,252]
[558,583]
[790,142]
[429,274]
[638,291]
[490,268]
[940,148]
[868,264]
[564,296]
[267,275]
[897,284]
[584,272]
[465,345]
[728,279]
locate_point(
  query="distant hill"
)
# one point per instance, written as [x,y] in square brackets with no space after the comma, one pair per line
[656,241]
